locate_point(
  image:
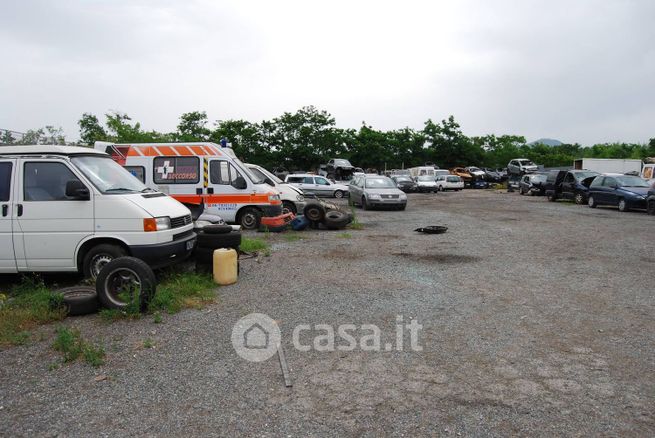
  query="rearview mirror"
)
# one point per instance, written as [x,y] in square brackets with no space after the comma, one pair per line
[77,191]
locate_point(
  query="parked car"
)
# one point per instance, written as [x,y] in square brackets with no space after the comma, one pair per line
[650,202]
[493,175]
[68,208]
[475,172]
[520,166]
[292,197]
[317,185]
[533,184]
[339,169]
[462,173]
[449,182]
[569,184]
[425,183]
[404,183]
[624,191]
[376,191]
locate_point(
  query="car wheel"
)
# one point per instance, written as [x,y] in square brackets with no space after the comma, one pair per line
[441,188]
[126,283]
[591,202]
[650,207]
[521,191]
[402,207]
[289,207]
[623,205]
[336,220]
[79,300]
[98,256]
[249,218]
[338,194]
[364,204]
[578,198]
[314,212]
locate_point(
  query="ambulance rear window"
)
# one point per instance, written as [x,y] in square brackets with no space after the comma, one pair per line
[176,170]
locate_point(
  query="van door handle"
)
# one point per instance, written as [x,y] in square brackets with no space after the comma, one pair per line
[5,210]
[19,211]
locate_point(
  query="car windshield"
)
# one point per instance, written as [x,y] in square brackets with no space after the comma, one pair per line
[452,179]
[538,178]
[342,162]
[631,181]
[582,175]
[107,175]
[379,183]
[259,174]
[244,169]
[426,178]
[526,162]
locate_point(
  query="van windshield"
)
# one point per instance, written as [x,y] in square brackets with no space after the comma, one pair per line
[107,175]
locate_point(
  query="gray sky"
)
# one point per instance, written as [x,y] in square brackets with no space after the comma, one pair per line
[573,70]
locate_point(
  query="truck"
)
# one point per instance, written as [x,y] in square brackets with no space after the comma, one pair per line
[608,165]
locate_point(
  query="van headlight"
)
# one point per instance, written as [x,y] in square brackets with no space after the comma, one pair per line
[273,197]
[157,223]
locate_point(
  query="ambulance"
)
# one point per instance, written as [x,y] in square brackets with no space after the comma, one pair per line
[202,176]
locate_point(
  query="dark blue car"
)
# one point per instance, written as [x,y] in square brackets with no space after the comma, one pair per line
[624,191]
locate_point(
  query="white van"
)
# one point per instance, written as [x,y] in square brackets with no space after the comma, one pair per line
[67,208]
[200,175]
[293,200]
[421,171]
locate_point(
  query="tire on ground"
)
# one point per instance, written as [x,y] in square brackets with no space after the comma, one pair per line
[98,256]
[249,218]
[79,300]
[217,229]
[314,212]
[215,241]
[119,276]
[336,220]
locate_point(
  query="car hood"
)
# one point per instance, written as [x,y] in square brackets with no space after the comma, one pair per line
[636,190]
[158,204]
[426,183]
[384,191]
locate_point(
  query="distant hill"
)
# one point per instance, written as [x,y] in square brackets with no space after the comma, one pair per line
[546,141]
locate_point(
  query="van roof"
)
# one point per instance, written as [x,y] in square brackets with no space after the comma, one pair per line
[43,149]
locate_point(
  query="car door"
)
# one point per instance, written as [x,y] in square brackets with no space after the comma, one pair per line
[609,193]
[568,186]
[7,178]
[322,186]
[50,224]
[353,190]
[227,191]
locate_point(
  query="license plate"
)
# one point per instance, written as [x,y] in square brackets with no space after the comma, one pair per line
[189,245]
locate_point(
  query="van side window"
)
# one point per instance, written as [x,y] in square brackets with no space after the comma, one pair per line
[5,181]
[176,170]
[46,181]
[223,172]
[137,171]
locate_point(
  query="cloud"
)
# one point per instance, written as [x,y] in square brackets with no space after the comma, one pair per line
[581,71]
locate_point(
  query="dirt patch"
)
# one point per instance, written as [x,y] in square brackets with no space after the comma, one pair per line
[444,258]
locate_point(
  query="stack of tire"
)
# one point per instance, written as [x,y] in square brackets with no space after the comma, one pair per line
[318,213]
[211,238]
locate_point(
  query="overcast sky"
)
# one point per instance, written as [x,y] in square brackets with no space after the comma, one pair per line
[577,70]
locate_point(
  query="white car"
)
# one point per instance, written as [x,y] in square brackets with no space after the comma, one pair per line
[449,182]
[293,199]
[425,183]
[317,185]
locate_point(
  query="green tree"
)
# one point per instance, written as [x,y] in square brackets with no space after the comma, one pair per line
[450,146]
[90,129]
[193,127]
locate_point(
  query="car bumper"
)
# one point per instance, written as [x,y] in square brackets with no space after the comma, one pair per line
[387,202]
[637,203]
[426,188]
[164,254]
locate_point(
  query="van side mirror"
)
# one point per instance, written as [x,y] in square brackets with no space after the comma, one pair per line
[240,183]
[77,191]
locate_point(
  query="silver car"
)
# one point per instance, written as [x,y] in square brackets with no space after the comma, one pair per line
[376,191]
[317,185]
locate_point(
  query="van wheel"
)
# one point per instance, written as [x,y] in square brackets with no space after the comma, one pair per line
[289,207]
[579,198]
[98,256]
[127,284]
[249,218]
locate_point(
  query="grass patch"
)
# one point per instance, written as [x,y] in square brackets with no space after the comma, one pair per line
[183,290]
[72,346]
[292,236]
[344,235]
[355,224]
[28,305]
[111,315]
[148,343]
[253,244]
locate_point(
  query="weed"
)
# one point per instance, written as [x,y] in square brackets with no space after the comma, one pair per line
[53,366]
[69,342]
[148,343]
[183,290]
[292,236]
[28,305]
[111,315]
[344,235]
[355,224]
[254,245]
[157,318]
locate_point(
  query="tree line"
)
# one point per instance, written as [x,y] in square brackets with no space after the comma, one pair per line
[309,137]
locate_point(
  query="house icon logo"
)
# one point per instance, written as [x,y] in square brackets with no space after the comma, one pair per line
[256,337]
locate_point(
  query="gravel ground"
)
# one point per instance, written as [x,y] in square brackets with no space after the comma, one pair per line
[538,319]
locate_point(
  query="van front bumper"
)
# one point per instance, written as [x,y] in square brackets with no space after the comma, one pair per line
[165,254]
[272,210]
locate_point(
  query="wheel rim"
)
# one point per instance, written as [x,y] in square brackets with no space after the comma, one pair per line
[122,284]
[622,204]
[591,201]
[338,194]
[578,198]
[249,220]
[313,214]
[98,262]
[287,208]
